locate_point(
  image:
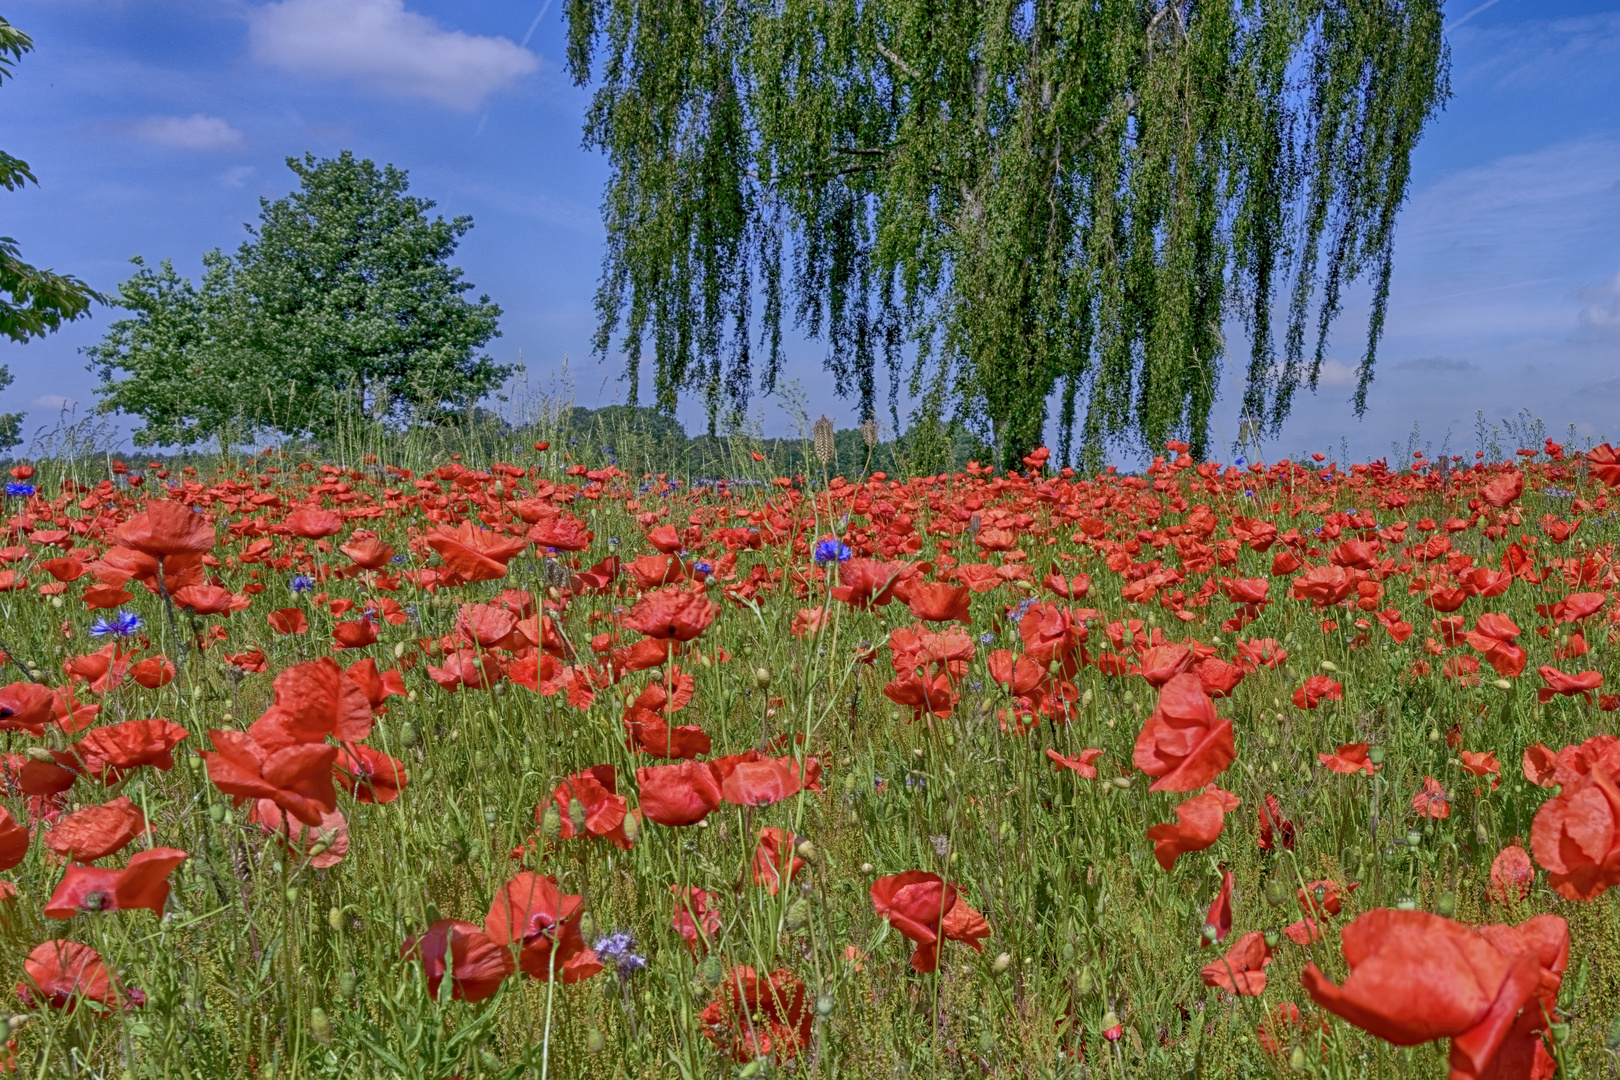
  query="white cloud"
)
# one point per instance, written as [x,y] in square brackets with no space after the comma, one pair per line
[1602,315]
[52,401]
[199,131]
[237,175]
[380,45]
[1337,373]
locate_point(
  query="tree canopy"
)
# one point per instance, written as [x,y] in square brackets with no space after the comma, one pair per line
[342,306]
[1031,197]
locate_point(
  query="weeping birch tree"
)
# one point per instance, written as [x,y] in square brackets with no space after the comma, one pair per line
[985,207]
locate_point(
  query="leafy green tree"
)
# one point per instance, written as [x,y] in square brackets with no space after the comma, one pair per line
[1031,195]
[33,302]
[342,305]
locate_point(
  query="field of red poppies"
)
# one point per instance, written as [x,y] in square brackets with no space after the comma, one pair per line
[535,770]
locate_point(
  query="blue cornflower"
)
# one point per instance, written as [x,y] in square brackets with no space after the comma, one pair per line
[619,949]
[833,551]
[703,568]
[1017,614]
[20,491]
[397,559]
[301,583]
[986,638]
[122,624]
[1239,462]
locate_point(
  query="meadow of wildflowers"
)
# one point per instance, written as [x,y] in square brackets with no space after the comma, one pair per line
[531,769]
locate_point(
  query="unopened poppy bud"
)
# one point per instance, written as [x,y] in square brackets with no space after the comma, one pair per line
[1272,937]
[1296,1059]
[1481,833]
[489,1060]
[752,1069]
[762,677]
[595,1041]
[1112,1028]
[1559,1032]
[713,971]
[824,1006]
[216,812]
[1612,1040]
[320,1026]
[408,736]
[551,821]
[17,1021]
[631,828]
[40,754]
[987,1041]
[1446,905]
[806,851]
[1376,754]
[1085,699]
[1434,735]
[1276,892]
[292,894]
[1122,782]
[334,919]
[346,983]
[587,926]
[399,649]
[1502,684]
[576,814]
[867,868]
[1086,984]
[798,915]
[1004,961]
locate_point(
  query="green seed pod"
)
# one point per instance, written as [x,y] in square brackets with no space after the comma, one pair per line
[798,915]
[1272,937]
[1296,1059]
[1446,905]
[587,927]
[1085,984]
[334,919]
[489,1061]
[595,1041]
[987,1042]
[408,736]
[1611,1040]
[1277,892]
[216,812]
[1376,754]
[824,1006]
[346,984]
[1414,837]
[631,828]
[292,894]
[320,1027]
[492,814]
[576,815]
[762,677]
[714,971]
[551,821]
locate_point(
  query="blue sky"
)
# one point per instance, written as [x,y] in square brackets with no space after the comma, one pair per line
[156,125]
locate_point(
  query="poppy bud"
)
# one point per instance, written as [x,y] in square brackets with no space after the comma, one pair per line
[407,735]
[334,919]
[1434,735]
[867,868]
[1413,837]
[1004,961]
[595,1041]
[1481,833]
[1446,905]
[1272,937]
[1113,1030]
[1328,665]
[1502,684]
[1086,984]
[762,677]
[1611,1040]
[713,970]
[1085,699]
[987,1041]
[346,984]
[216,812]
[551,821]
[751,1070]
[1559,1032]
[576,815]
[40,754]
[320,1027]
[1277,892]
[19,1021]
[631,828]
[56,602]
[806,851]
[1296,1059]
[1122,782]
[292,894]
[824,1005]
[399,649]
[1376,754]
[798,915]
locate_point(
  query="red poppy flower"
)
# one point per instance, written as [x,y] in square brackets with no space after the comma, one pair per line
[753,1017]
[652,734]
[313,523]
[1576,836]
[1217,677]
[939,601]
[1479,764]
[477,965]
[1081,765]
[1324,586]
[14,840]
[1052,635]
[167,528]
[682,794]
[665,539]
[152,673]
[774,863]
[1261,652]
[356,634]
[760,782]
[110,753]
[1199,821]
[605,811]
[25,707]
[563,532]
[368,553]
[288,621]
[1275,830]
[377,686]
[1317,688]
[63,974]
[1559,683]
[314,700]
[672,613]
[867,583]
[1183,742]
[1603,462]
[915,903]
[474,554]
[696,919]
[324,845]
[1512,874]
[369,774]
[541,922]
[1432,801]
[297,777]
[1416,977]
[1242,970]
[1504,490]
[207,600]
[35,777]
[144,883]
[1349,758]
[1219,917]
[1161,663]
[96,831]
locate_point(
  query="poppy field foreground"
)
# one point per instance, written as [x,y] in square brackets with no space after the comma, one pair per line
[534,770]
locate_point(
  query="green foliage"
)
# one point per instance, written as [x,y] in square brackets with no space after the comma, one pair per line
[10,423]
[343,305]
[1030,196]
[33,302]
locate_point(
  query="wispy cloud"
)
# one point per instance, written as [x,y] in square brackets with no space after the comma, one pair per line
[1438,365]
[1602,315]
[199,131]
[381,46]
